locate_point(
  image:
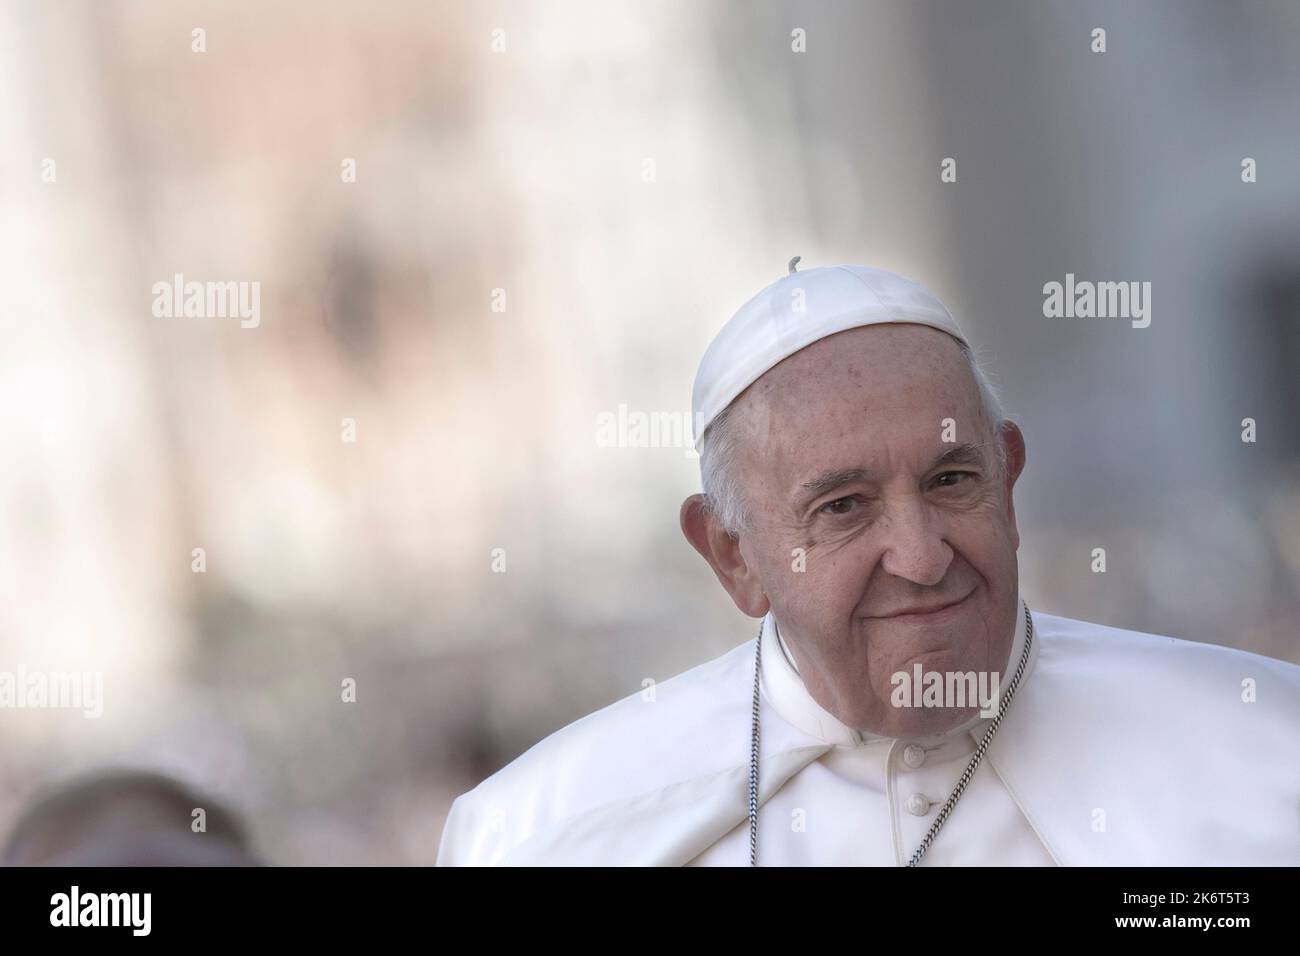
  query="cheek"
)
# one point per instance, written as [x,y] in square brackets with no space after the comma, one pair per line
[983,537]
[832,585]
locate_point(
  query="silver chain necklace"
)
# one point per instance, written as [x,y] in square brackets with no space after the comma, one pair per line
[957,790]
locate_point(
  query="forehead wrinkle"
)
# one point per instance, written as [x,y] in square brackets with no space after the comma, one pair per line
[906,362]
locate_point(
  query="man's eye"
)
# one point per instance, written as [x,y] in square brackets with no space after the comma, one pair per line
[840,506]
[951,478]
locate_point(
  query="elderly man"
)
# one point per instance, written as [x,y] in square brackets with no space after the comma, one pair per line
[900,704]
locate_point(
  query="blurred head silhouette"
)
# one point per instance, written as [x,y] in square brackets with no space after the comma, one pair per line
[126,818]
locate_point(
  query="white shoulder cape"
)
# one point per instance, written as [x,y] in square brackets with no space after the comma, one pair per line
[1153,731]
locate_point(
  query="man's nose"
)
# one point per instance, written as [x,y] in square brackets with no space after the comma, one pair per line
[914,548]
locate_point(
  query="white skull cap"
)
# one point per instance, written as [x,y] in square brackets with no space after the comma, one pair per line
[794,312]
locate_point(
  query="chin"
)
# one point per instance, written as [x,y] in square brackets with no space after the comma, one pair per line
[945,658]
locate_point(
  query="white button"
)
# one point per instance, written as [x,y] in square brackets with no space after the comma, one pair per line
[918,804]
[914,755]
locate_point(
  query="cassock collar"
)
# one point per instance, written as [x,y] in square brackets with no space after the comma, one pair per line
[784,690]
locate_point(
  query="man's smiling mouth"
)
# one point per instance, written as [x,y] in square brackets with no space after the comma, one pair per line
[923,613]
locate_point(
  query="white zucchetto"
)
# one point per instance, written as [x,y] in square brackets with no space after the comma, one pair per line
[798,310]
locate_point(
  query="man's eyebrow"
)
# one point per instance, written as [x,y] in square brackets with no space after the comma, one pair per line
[967,453]
[829,480]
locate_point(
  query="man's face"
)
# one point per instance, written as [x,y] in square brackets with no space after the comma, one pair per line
[847,474]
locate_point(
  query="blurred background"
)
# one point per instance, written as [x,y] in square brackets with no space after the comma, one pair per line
[555,207]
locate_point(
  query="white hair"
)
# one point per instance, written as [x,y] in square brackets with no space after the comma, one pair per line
[719,452]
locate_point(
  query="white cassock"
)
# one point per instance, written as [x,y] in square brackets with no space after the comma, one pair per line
[1118,748]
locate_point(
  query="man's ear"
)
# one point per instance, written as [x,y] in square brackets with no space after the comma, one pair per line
[722,550]
[1014,443]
